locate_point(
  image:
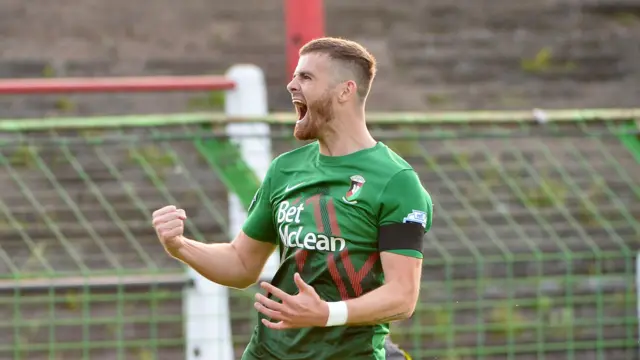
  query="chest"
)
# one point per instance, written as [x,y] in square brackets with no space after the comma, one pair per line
[326,212]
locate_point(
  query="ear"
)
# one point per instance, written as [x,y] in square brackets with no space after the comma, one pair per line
[348,90]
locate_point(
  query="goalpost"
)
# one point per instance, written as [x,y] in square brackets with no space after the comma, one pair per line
[205,304]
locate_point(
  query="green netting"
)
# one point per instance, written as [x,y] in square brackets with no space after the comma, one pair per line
[531,255]
[81,274]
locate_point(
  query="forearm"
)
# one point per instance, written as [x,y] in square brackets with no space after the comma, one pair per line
[219,263]
[390,302]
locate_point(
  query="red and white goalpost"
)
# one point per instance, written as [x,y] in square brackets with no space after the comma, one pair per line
[208,324]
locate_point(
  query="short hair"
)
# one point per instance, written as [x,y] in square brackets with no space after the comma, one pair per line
[353,55]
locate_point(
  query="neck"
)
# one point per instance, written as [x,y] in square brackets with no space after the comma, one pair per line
[347,135]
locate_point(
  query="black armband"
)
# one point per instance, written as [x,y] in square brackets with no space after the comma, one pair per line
[400,236]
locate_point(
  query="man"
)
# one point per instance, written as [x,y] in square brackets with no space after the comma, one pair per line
[346,213]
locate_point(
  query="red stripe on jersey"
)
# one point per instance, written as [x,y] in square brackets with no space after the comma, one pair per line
[315,200]
[333,219]
[356,277]
[301,258]
[335,275]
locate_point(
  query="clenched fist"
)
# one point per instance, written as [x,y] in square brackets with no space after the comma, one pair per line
[169,225]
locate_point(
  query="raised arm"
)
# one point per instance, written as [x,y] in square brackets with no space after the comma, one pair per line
[236,264]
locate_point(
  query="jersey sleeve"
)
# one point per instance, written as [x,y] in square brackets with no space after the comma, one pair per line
[406,212]
[259,224]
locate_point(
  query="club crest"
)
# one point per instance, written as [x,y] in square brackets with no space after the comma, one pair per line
[352,194]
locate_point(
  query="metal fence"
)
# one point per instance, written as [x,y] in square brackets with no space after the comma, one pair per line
[531,255]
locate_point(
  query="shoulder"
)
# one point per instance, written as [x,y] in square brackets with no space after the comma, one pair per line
[396,167]
[402,180]
[404,199]
[392,160]
[404,183]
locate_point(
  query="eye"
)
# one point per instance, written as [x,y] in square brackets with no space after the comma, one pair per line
[302,76]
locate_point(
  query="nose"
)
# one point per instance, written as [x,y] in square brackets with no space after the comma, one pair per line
[293,86]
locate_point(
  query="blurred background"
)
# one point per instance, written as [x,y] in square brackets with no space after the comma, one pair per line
[519,116]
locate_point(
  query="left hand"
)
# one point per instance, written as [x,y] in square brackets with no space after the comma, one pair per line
[304,309]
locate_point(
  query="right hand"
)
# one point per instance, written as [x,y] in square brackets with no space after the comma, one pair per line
[169,225]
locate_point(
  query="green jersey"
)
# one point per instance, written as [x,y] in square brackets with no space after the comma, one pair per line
[325,213]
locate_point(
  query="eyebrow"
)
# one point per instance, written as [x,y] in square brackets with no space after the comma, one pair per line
[302,73]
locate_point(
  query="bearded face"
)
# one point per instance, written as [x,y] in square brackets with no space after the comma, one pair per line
[313,116]
[312,94]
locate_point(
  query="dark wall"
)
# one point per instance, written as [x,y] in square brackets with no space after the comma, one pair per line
[439,54]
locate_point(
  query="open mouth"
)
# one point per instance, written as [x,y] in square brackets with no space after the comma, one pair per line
[301,110]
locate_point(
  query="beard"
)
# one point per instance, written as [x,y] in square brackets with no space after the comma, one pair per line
[319,114]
